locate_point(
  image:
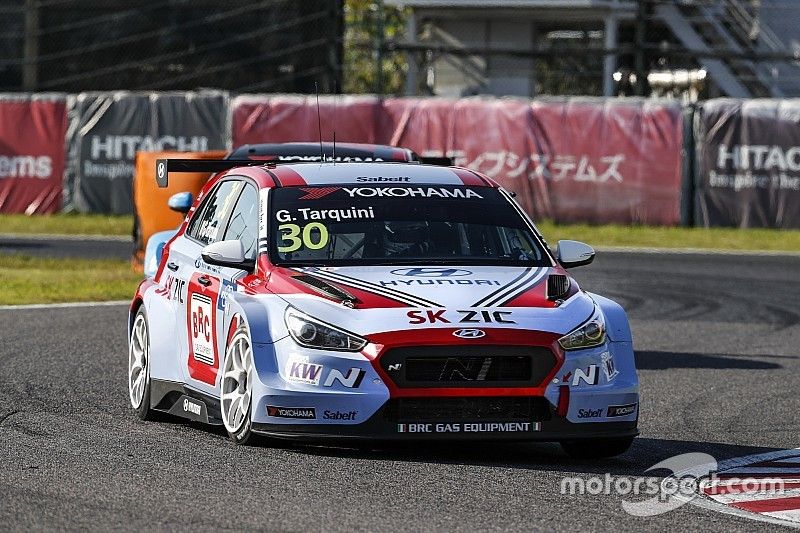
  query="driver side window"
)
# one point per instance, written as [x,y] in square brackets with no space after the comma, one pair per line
[244,222]
[206,226]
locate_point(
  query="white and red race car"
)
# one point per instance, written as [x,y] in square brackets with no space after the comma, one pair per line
[380,301]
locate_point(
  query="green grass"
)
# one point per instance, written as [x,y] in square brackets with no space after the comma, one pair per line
[29,280]
[68,224]
[658,237]
[605,235]
[26,280]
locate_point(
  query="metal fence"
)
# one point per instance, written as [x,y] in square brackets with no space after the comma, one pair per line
[244,45]
[689,48]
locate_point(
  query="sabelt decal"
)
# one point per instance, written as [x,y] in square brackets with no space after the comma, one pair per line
[590,413]
[471,427]
[303,413]
[621,410]
[384,179]
[339,415]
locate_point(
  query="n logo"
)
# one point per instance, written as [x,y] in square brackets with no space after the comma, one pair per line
[352,380]
[465,369]
[590,377]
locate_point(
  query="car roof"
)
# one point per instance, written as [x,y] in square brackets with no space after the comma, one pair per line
[310,151]
[372,174]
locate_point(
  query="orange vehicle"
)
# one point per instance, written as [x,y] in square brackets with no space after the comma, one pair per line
[151,212]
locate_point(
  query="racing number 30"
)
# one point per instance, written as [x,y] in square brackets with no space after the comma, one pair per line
[302,238]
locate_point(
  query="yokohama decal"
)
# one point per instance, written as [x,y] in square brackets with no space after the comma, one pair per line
[202,327]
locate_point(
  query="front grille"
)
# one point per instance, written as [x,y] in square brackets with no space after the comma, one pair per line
[468,366]
[472,409]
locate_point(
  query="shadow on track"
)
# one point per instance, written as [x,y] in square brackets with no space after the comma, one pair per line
[538,456]
[655,360]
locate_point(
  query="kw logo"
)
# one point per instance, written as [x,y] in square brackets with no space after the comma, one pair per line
[304,372]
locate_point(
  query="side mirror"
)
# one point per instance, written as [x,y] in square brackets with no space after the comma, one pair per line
[181,202]
[574,254]
[227,254]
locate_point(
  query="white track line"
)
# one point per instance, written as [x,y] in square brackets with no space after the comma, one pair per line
[57,237]
[63,305]
[705,502]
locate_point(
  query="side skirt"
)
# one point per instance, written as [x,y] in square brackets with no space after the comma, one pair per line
[179,400]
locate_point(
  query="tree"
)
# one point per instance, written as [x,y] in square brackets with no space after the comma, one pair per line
[367,66]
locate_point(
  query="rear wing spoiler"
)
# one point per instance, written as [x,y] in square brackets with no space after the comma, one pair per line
[438,161]
[166,166]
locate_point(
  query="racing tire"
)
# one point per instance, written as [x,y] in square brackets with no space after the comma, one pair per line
[236,389]
[596,448]
[139,366]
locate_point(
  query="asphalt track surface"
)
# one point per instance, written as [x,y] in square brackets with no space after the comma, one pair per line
[717,341]
[61,247]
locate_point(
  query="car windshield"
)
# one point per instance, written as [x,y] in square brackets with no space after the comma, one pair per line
[371,225]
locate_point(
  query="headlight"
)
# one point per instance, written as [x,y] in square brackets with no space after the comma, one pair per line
[315,334]
[592,333]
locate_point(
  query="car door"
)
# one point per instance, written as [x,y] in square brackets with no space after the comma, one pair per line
[199,315]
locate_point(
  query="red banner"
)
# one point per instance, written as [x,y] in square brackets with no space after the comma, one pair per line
[572,160]
[32,131]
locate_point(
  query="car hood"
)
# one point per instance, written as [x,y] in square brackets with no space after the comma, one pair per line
[396,298]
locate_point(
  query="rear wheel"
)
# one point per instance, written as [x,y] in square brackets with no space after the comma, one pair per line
[139,366]
[596,448]
[237,388]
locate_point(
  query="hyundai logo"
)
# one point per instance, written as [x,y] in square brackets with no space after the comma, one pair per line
[469,333]
[431,272]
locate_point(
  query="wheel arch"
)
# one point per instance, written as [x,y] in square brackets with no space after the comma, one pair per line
[617,326]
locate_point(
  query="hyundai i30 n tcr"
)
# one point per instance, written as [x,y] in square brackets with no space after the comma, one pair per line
[387,301]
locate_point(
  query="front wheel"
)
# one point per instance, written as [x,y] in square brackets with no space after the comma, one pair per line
[139,366]
[596,448]
[237,388]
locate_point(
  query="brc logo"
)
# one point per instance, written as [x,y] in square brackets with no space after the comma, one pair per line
[201,325]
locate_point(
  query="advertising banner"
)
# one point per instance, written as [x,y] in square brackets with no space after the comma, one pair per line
[294,118]
[107,129]
[32,130]
[748,157]
[581,160]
